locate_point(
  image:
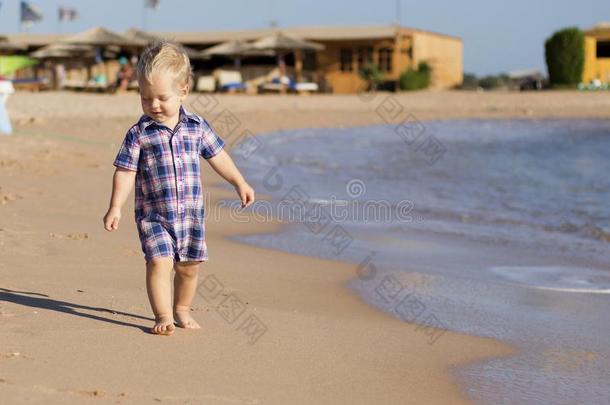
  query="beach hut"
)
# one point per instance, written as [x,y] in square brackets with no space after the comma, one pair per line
[596,71]
[106,43]
[57,55]
[283,44]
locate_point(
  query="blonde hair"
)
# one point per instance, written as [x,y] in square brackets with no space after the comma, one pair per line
[165,56]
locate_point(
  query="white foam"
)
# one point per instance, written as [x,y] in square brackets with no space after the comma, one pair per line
[557,278]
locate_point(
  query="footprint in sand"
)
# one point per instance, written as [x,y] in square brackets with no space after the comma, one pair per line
[71,236]
[9,163]
[130,252]
[6,198]
[9,355]
[4,312]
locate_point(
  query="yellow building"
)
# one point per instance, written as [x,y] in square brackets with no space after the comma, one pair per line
[347,49]
[597,54]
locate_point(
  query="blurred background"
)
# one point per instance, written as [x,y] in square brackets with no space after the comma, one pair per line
[305,47]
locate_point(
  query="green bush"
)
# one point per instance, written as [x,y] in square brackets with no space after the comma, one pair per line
[469,82]
[565,57]
[412,79]
[372,75]
[494,82]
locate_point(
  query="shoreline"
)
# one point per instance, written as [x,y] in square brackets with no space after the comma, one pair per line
[324,343]
[344,273]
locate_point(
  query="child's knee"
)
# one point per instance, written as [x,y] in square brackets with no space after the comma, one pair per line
[187,269]
[159,264]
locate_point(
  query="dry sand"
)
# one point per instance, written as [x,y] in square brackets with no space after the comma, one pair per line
[73,303]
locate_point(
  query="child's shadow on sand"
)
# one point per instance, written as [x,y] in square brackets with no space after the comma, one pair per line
[36,300]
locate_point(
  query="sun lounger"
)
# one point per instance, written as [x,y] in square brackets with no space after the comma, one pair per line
[31,84]
[74,84]
[229,80]
[82,85]
[286,84]
[206,84]
[306,87]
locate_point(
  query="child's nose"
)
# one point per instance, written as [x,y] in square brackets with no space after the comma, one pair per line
[156,104]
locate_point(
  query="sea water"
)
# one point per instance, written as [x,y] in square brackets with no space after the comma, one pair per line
[497,228]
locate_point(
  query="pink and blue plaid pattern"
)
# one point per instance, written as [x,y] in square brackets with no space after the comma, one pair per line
[169,209]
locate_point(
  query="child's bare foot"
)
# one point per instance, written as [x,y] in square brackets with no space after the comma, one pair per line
[164,325]
[184,318]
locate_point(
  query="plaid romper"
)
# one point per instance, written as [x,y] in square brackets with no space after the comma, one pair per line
[169,209]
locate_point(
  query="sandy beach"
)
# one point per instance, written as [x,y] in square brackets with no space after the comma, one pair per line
[73,300]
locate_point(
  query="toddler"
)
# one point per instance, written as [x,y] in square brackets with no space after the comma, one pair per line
[160,156]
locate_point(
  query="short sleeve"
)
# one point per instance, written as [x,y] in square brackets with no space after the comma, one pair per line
[211,143]
[129,153]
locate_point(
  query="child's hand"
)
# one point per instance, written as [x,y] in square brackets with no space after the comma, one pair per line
[245,193]
[112,218]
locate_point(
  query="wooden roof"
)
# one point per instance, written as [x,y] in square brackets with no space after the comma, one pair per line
[601,31]
[322,33]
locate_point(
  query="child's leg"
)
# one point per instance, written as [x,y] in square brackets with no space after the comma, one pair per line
[185,286]
[158,285]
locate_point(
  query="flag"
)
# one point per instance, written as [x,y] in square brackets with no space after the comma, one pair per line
[30,13]
[154,4]
[67,14]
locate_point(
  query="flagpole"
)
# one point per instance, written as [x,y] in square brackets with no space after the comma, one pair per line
[398,12]
[143,15]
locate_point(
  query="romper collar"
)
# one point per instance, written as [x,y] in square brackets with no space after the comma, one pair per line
[185,116]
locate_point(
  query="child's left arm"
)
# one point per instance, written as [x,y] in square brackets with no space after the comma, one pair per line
[225,167]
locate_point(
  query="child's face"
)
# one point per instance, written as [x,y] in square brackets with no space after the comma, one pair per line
[161,99]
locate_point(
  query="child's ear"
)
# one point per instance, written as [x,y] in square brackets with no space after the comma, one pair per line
[184,91]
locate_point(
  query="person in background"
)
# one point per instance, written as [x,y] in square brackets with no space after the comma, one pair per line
[6,88]
[125,74]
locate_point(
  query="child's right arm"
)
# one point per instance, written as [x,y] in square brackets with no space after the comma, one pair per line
[122,183]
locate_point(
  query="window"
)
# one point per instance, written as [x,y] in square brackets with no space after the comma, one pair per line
[309,60]
[385,59]
[346,60]
[364,57]
[603,49]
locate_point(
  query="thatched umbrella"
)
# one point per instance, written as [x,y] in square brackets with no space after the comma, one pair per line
[145,37]
[60,50]
[102,38]
[6,45]
[235,49]
[99,36]
[281,44]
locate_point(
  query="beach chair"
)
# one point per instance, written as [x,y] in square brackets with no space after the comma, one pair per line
[229,80]
[74,84]
[287,84]
[306,87]
[206,84]
[31,84]
[277,85]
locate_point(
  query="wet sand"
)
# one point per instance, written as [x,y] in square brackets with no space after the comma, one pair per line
[73,300]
